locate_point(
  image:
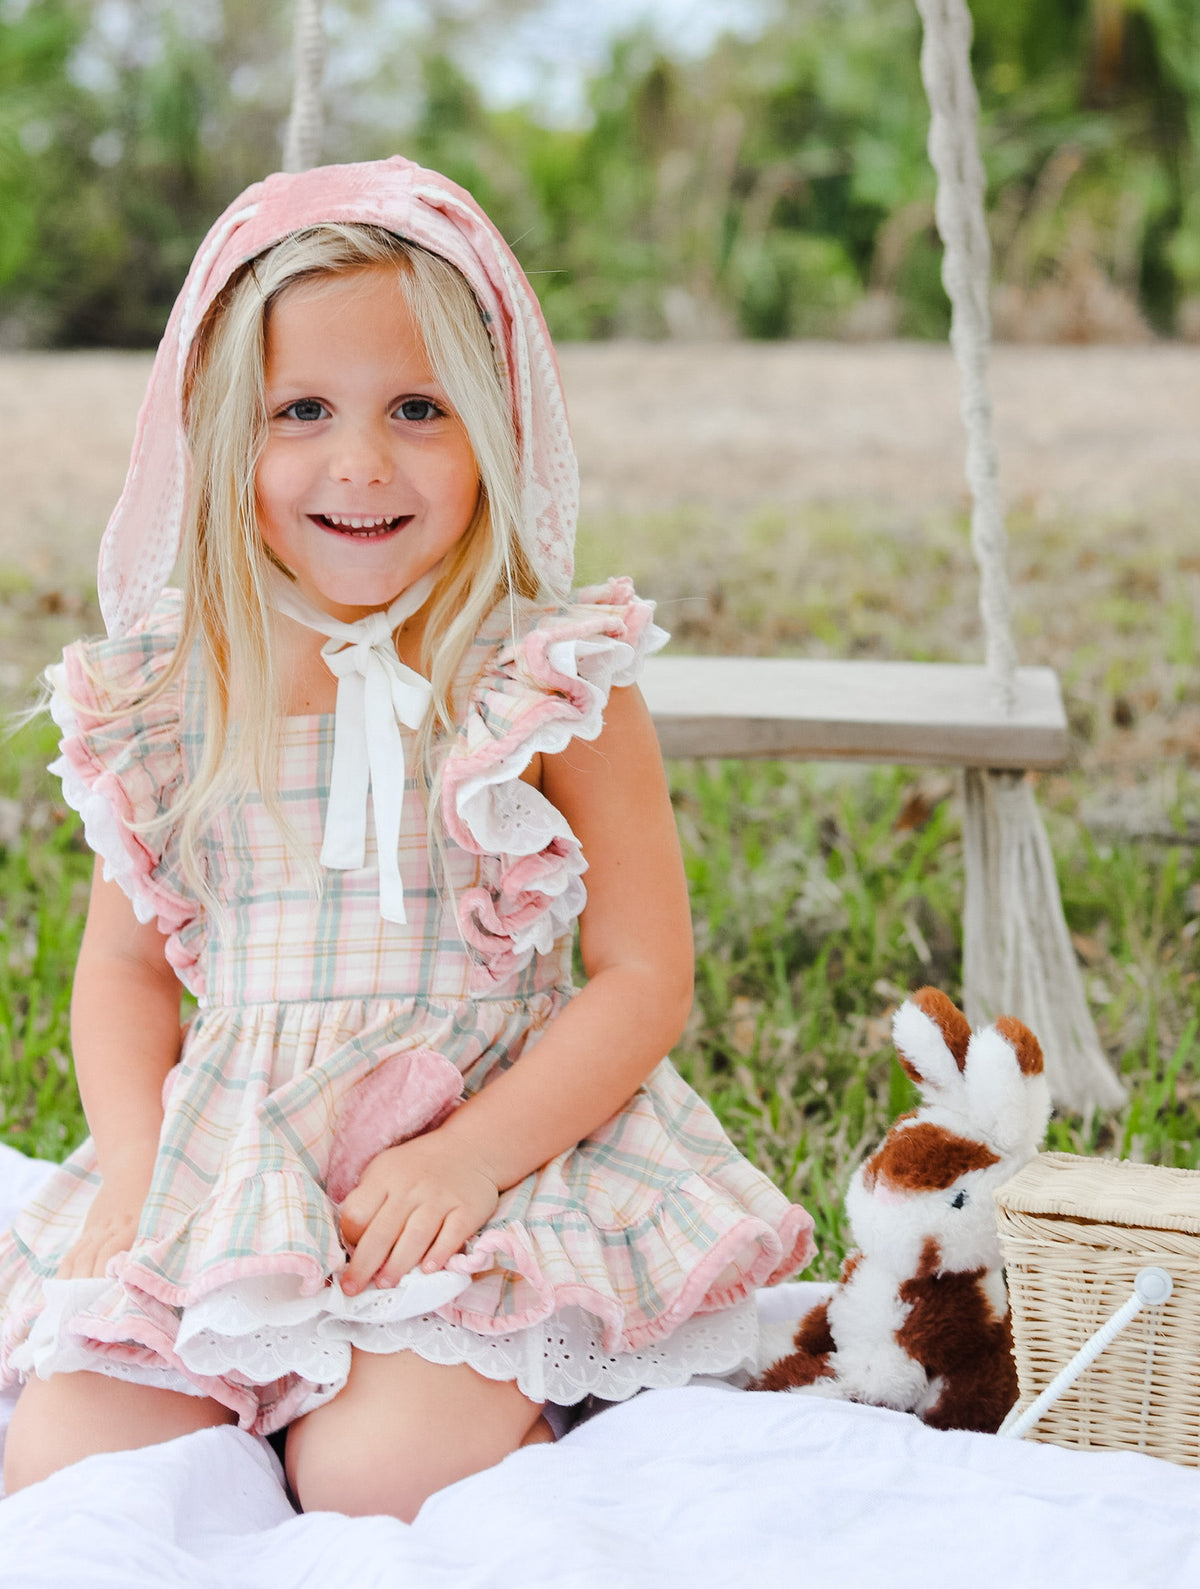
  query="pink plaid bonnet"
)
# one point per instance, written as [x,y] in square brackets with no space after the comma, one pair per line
[141,542]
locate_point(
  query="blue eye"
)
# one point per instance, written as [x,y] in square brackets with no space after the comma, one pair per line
[959,1201]
[418,409]
[305,409]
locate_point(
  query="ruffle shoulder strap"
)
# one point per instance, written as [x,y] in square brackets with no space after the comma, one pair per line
[121,763]
[535,693]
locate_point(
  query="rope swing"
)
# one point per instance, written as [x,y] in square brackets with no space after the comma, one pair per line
[302,139]
[1017,953]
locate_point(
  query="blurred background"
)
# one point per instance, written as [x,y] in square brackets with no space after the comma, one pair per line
[726,207]
[699,170]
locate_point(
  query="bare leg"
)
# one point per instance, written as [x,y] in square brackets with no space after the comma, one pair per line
[67,1417]
[401,1429]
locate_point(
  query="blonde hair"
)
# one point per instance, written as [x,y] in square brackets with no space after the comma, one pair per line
[227,612]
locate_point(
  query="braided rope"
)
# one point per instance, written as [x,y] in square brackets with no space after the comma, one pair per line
[1017,953]
[966,272]
[302,141]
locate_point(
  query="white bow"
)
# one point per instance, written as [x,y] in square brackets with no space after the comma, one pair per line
[376,692]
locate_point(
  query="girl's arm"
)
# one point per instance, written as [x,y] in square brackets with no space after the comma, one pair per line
[424,1199]
[125,1038]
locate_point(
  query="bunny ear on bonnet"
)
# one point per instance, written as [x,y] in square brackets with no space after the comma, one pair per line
[932,1035]
[1006,1086]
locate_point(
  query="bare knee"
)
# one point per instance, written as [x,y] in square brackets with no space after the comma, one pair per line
[328,1474]
[28,1453]
[63,1419]
[400,1431]
[356,1479]
[342,1468]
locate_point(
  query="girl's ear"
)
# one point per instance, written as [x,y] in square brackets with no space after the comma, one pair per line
[1007,1095]
[931,1035]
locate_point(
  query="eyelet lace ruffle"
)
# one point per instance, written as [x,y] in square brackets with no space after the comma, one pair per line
[251,1332]
[121,765]
[535,696]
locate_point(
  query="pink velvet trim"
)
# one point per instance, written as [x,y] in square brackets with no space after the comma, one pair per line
[569,701]
[408,1094]
[785,1249]
[313,1276]
[170,910]
[142,1342]
[558,706]
[612,611]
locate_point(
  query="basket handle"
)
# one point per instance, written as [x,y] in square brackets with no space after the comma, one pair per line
[1151,1288]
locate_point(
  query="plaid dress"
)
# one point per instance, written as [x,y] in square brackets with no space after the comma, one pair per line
[629,1260]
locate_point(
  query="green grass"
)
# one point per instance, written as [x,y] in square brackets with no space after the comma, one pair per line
[816,910]
[45,872]
[820,894]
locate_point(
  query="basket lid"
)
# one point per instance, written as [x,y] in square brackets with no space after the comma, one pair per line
[1109,1191]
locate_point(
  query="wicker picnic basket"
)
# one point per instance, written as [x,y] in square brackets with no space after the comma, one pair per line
[1074,1233]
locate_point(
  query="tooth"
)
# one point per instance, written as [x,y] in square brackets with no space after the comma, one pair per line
[345,522]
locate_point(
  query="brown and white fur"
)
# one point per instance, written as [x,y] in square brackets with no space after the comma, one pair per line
[919,1321]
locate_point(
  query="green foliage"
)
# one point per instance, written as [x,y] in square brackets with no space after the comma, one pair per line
[106,189]
[777,187]
[36,107]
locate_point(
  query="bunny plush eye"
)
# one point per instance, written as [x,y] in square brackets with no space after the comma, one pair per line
[959,1201]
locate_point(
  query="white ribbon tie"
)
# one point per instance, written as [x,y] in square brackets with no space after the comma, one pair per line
[376,694]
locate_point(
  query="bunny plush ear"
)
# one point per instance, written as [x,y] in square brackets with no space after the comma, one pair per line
[1007,1094]
[932,1035]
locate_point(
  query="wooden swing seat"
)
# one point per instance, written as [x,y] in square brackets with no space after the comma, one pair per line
[923,713]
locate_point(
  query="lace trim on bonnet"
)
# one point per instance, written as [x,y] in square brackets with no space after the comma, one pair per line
[535,696]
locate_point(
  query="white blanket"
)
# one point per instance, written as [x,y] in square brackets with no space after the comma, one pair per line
[690,1488]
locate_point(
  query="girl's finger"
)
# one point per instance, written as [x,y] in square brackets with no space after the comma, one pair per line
[374,1245]
[82,1262]
[357,1212]
[411,1246]
[106,1251]
[453,1237]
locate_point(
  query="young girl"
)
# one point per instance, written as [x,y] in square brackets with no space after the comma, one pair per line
[397,1186]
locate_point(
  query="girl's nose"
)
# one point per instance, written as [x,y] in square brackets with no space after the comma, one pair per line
[361,455]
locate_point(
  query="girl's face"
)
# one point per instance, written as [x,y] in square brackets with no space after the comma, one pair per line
[367,478]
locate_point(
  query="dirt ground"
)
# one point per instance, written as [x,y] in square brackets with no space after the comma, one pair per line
[1096,430]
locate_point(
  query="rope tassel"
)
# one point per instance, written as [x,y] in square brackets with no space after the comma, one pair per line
[1017,956]
[1017,952]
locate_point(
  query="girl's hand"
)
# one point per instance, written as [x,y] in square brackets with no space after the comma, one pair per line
[110,1228]
[417,1203]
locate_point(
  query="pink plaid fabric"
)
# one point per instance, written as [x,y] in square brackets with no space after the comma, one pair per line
[305,994]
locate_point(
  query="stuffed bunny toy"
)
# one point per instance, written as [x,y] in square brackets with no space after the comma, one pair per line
[919,1320]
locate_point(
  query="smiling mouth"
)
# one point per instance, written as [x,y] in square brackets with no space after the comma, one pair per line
[360,529]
